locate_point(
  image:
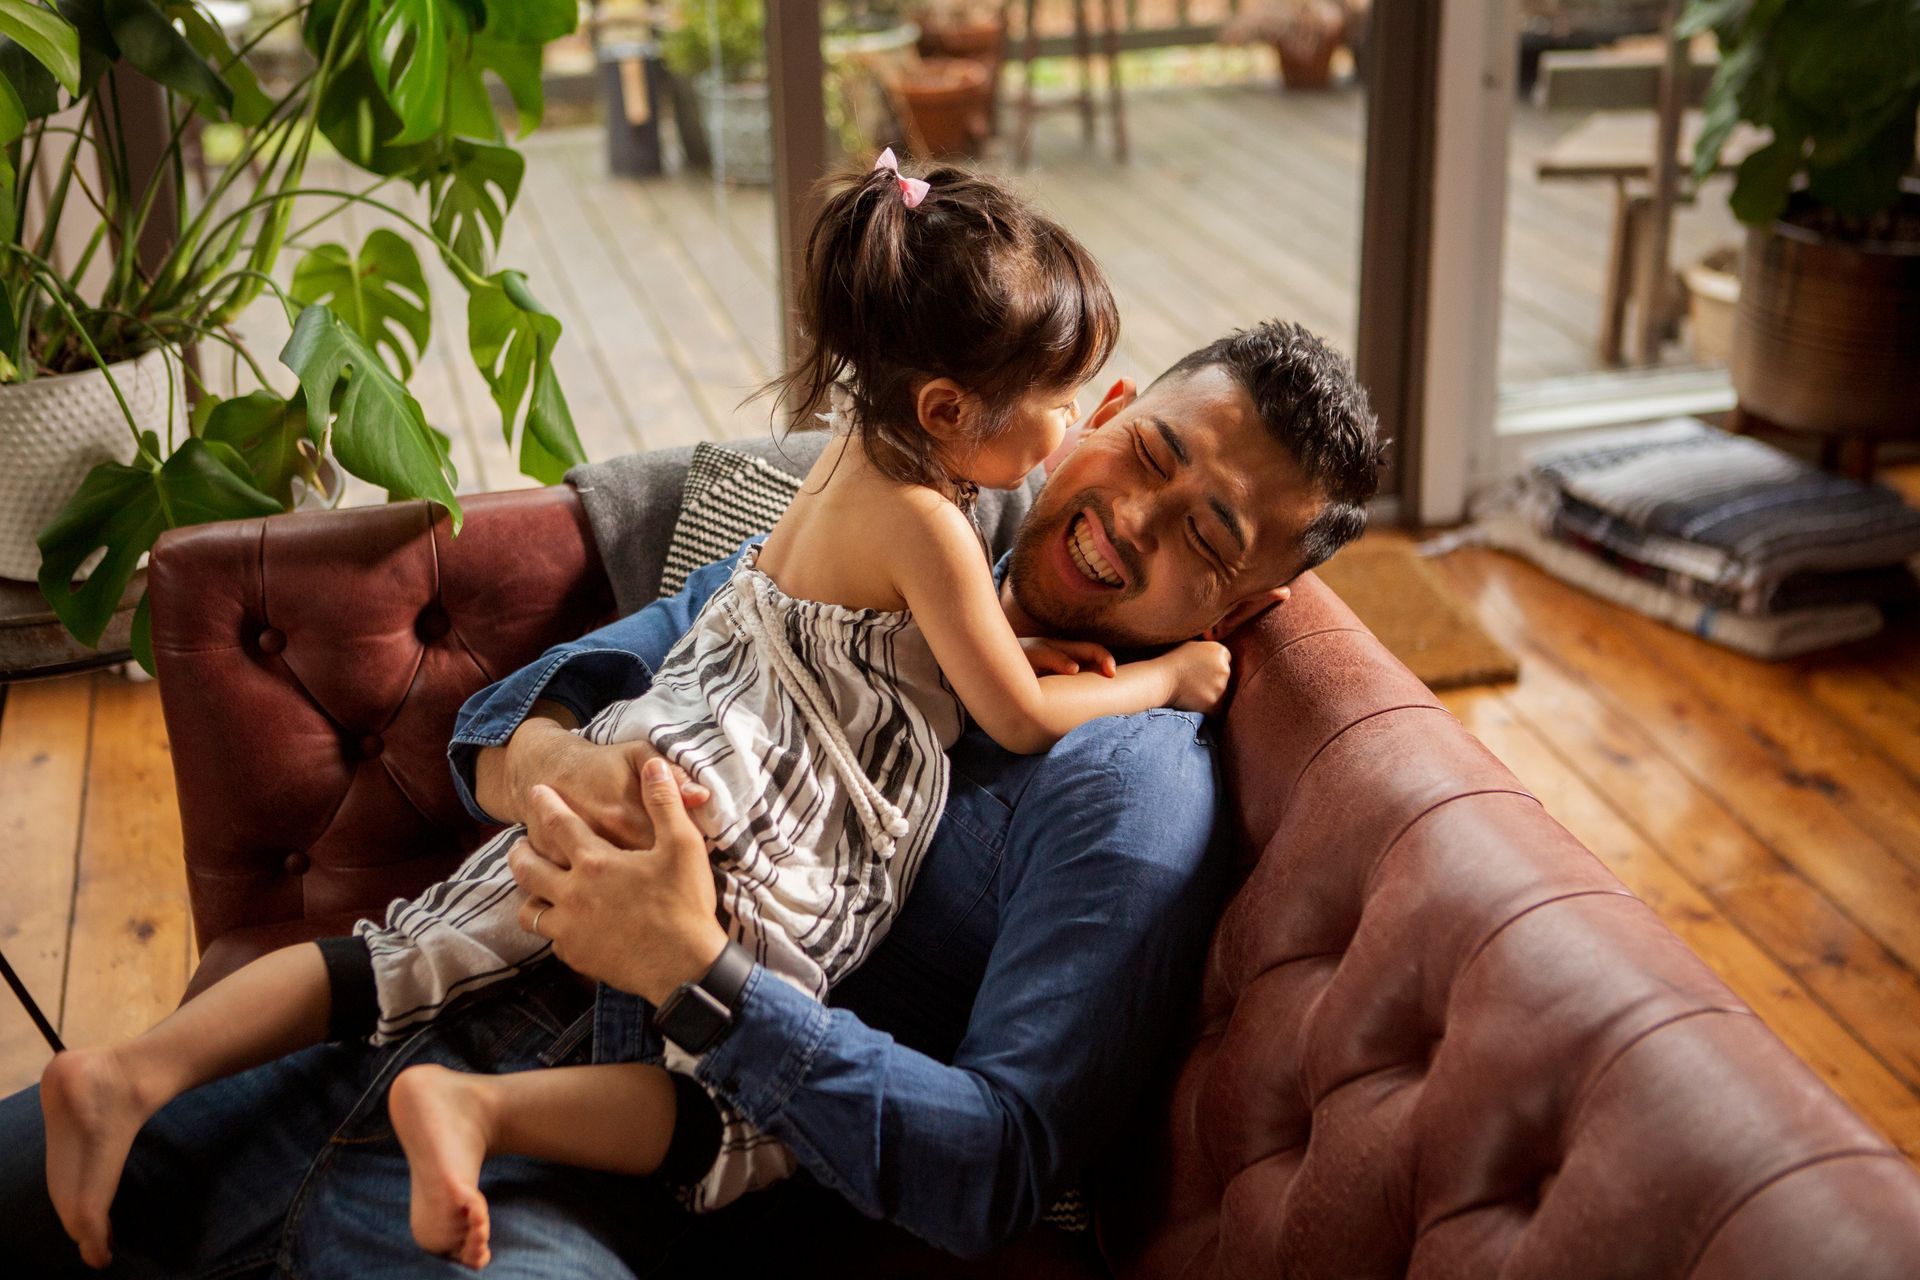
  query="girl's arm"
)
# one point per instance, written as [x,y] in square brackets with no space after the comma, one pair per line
[939,571]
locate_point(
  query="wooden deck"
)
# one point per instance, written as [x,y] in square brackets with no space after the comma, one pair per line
[1241,202]
[1769,812]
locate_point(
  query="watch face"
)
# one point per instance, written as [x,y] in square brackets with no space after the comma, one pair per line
[693,1018]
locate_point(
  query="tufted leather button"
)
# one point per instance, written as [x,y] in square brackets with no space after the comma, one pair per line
[272,640]
[371,746]
[432,623]
[296,864]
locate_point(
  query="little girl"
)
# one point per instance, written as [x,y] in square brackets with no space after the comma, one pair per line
[813,699]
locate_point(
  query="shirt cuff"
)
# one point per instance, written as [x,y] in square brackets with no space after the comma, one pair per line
[353,1012]
[584,681]
[777,1029]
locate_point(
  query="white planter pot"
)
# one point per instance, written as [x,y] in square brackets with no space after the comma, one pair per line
[54,430]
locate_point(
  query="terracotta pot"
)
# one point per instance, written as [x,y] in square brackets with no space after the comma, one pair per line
[1307,63]
[945,100]
[1827,339]
[985,42]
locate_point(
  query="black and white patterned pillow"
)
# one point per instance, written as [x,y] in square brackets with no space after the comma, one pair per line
[728,498]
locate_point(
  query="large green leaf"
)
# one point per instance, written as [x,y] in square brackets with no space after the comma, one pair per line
[13,116]
[531,21]
[1730,80]
[98,52]
[512,338]
[147,39]
[471,196]
[32,83]
[13,122]
[1867,178]
[46,35]
[380,293]
[1761,184]
[357,120]
[377,430]
[123,509]
[470,109]
[410,44]
[251,105]
[266,432]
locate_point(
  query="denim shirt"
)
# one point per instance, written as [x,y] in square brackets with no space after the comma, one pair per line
[1000,1038]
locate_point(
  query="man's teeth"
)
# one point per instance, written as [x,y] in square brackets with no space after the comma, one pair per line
[1087,557]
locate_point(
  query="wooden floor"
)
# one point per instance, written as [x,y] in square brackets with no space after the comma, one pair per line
[1769,812]
[1240,202]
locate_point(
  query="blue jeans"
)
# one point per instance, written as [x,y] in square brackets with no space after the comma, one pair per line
[291,1169]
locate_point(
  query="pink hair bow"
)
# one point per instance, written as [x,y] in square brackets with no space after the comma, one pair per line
[912,190]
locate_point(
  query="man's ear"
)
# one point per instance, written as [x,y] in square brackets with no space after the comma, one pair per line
[942,408]
[1121,394]
[1246,610]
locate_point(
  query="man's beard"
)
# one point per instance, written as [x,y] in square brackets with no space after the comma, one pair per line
[1056,617]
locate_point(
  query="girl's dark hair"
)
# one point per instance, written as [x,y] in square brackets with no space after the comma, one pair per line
[972,285]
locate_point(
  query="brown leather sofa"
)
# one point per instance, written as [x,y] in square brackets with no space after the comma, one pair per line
[1435,1037]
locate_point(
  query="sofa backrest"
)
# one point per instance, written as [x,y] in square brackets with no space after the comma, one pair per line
[1437,1038]
[310,668]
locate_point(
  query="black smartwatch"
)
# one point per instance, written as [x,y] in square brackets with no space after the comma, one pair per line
[698,1015]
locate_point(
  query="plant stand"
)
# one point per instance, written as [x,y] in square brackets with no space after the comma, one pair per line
[34,646]
[26,1002]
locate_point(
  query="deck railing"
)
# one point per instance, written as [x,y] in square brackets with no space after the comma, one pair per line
[1149,24]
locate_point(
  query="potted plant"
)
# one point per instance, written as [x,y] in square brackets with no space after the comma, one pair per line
[1713,299]
[716,50]
[1827,335]
[1305,33]
[975,29]
[942,103]
[398,89]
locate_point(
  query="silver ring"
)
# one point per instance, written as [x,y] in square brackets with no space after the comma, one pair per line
[536,920]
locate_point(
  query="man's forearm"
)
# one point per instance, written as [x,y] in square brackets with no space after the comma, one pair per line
[502,776]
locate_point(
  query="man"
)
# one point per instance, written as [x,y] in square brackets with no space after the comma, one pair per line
[971,1070]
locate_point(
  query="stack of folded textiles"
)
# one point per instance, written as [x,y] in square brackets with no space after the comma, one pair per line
[1716,534]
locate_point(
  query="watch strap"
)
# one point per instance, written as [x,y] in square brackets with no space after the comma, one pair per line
[699,1014]
[727,976]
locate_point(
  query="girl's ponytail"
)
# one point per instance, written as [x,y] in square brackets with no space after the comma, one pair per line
[968,283]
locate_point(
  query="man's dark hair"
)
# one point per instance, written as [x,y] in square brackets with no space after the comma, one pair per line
[1306,394]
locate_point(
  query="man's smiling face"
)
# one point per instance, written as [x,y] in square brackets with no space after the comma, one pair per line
[1177,514]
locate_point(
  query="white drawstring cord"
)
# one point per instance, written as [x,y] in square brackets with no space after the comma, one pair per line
[882,820]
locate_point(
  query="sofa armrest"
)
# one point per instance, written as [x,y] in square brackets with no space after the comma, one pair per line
[1436,1037]
[310,668]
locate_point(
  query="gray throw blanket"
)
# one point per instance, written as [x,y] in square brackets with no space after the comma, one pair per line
[633,501]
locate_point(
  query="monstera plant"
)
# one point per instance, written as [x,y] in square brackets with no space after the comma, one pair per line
[399,89]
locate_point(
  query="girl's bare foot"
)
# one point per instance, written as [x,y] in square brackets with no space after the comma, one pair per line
[444,1124]
[93,1113]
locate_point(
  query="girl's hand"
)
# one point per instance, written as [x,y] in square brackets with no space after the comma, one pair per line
[1200,672]
[1051,657]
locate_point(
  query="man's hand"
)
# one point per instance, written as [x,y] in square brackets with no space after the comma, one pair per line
[641,920]
[601,784]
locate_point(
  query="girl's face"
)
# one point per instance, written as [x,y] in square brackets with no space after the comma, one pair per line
[1032,433]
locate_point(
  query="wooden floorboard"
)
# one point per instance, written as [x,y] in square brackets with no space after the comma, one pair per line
[43,788]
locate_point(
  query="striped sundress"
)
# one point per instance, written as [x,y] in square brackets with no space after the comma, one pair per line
[822,733]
